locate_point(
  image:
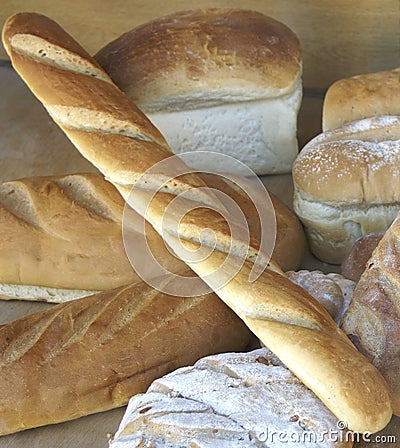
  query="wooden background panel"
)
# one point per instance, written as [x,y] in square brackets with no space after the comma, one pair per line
[339,37]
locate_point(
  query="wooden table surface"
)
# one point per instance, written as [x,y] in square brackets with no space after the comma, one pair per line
[31,144]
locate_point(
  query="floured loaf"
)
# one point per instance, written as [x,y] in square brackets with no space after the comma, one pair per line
[229,400]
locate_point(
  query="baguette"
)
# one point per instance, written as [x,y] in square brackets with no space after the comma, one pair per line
[93,354]
[71,230]
[118,139]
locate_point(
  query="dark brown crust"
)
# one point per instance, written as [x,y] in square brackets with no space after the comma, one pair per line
[354,264]
[211,46]
[373,318]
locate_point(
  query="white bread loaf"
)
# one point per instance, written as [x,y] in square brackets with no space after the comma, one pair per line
[71,230]
[224,80]
[361,96]
[230,400]
[93,354]
[373,318]
[347,184]
[117,138]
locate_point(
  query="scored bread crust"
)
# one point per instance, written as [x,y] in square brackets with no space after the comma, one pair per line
[230,400]
[93,354]
[187,57]
[361,96]
[71,230]
[288,321]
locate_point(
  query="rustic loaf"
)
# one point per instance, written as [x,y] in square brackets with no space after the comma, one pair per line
[230,400]
[347,184]
[225,80]
[94,353]
[372,320]
[355,262]
[118,139]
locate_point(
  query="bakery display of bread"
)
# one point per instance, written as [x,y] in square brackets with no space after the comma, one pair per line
[231,400]
[361,96]
[333,291]
[123,144]
[372,320]
[355,262]
[225,80]
[94,353]
[346,184]
[65,236]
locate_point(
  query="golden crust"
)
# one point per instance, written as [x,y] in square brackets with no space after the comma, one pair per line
[193,53]
[272,302]
[361,96]
[355,164]
[93,354]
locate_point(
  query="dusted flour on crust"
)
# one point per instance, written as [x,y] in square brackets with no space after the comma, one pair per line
[229,400]
[333,291]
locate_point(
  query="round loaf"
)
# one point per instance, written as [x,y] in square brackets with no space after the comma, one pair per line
[232,400]
[361,96]
[224,80]
[333,291]
[347,184]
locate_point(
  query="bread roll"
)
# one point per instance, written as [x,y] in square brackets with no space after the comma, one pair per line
[230,400]
[373,319]
[225,80]
[355,262]
[347,184]
[333,291]
[116,137]
[70,229]
[361,96]
[93,354]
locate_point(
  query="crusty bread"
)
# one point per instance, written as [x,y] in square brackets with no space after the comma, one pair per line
[229,400]
[333,291]
[372,320]
[70,228]
[347,184]
[225,80]
[94,353]
[355,262]
[361,96]
[91,110]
